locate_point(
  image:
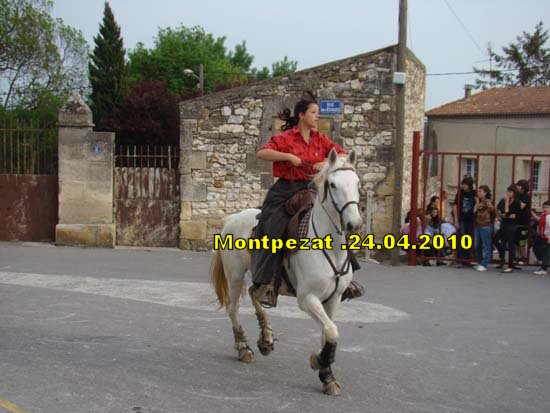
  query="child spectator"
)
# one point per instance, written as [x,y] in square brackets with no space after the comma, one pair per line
[544,233]
[484,219]
[508,212]
[464,214]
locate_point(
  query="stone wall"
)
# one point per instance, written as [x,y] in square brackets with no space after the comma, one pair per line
[220,133]
[415,93]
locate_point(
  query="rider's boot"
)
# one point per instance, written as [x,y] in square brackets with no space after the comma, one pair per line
[354,289]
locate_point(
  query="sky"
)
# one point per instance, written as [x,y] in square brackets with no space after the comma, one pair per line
[448,36]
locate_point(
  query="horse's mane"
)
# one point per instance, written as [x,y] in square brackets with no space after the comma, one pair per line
[327,169]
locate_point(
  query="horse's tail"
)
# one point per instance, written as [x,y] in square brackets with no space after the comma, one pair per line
[219,280]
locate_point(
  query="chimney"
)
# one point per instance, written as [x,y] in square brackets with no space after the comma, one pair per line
[467,91]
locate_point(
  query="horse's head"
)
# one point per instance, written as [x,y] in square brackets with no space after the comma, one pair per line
[339,190]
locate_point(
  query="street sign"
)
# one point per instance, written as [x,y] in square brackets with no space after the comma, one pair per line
[97,149]
[330,107]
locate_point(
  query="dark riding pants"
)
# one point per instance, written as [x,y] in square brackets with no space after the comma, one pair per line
[273,222]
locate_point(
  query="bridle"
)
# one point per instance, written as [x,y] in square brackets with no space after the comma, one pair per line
[347,262]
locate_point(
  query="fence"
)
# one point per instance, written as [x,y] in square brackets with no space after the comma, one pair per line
[442,173]
[147,156]
[27,147]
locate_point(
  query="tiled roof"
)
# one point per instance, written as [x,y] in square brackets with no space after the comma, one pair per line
[512,101]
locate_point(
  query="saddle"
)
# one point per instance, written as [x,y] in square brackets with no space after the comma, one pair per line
[299,206]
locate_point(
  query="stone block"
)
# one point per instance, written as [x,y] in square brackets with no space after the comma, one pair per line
[86,235]
[193,230]
[193,192]
[266,180]
[186,211]
[198,160]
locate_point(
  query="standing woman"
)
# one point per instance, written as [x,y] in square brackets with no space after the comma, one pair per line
[484,219]
[508,209]
[297,154]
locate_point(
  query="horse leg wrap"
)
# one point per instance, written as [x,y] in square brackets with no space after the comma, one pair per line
[264,344]
[327,356]
[240,339]
[326,376]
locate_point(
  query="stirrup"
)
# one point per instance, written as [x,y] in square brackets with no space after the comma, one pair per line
[354,290]
[269,299]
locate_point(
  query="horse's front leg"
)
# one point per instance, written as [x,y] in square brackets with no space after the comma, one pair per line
[265,341]
[323,360]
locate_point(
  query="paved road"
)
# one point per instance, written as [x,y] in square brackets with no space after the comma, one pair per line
[97,330]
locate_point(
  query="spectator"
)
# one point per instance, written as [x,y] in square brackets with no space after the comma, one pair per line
[524,219]
[544,234]
[434,203]
[484,219]
[508,213]
[538,241]
[463,212]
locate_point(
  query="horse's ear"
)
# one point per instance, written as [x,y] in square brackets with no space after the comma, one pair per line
[352,157]
[332,156]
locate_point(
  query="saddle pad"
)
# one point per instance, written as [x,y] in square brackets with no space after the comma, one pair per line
[304,224]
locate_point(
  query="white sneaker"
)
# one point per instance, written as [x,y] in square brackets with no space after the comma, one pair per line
[480,268]
[540,272]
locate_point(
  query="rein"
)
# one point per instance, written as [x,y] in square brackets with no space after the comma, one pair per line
[347,262]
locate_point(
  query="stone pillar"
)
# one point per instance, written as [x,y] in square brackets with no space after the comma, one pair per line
[193,231]
[85,179]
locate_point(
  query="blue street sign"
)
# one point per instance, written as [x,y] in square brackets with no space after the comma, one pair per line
[330,107]
[97,149]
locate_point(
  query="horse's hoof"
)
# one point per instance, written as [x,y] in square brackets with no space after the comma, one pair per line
[265,347]
[314,361]
[332,388]
[246,355]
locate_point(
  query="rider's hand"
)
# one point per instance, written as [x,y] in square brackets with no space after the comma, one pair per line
[319,165]
[294,160]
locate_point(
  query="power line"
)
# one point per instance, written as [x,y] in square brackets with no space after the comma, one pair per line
[464,27]
[471,73]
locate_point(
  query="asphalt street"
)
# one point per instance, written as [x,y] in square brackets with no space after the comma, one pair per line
[137,331]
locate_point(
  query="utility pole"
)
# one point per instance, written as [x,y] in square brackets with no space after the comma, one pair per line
[400,129]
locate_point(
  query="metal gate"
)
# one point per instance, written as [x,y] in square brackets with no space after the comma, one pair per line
[441,174]
[147,201]
[28,181]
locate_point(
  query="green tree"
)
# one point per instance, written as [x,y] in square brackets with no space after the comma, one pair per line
[241,58]
[39,55]
[260,74]
[107,69]
[283,67]
[186,48]
[524,63]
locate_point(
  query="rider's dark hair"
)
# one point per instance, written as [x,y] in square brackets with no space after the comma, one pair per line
[300,107]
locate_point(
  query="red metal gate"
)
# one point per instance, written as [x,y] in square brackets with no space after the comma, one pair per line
[28,181]
[442,173]
[147,202]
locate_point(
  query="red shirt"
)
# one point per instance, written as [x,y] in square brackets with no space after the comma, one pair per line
[292,141]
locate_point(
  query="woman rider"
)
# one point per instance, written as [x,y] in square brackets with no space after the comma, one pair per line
[297,154]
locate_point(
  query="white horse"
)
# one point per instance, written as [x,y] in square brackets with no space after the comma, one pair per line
[319,277]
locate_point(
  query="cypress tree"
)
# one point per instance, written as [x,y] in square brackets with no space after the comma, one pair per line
[107,68]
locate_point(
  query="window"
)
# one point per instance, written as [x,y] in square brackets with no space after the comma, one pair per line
[536,175]
[469,167]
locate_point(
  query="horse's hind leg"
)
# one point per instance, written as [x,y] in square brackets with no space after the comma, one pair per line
[235,286]
[265,341]
[323,360]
